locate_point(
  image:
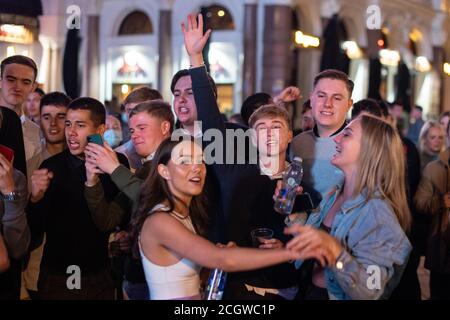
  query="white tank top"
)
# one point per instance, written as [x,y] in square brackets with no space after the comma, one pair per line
[178,281]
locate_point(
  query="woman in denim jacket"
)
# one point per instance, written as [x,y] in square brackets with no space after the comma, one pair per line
[355,245]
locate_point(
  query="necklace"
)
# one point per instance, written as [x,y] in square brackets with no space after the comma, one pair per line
[179,215]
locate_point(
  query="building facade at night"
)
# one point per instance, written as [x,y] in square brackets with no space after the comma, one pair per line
[393,49]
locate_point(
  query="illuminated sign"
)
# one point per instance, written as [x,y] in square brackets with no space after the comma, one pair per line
[305,40]
[15,34]
[447,68]
[132,65]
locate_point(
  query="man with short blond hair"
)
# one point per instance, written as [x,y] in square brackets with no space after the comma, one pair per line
[74,246]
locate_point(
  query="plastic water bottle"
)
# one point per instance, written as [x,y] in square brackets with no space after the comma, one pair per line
[292,178]
[216,285]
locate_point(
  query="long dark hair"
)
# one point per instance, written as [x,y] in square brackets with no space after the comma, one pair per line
[155,190]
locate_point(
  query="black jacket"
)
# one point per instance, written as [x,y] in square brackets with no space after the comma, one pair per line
[245,195]
[63,215]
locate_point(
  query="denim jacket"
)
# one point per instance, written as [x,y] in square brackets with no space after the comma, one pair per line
[374,244]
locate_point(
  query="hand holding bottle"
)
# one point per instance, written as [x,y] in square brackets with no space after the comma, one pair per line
[292,178]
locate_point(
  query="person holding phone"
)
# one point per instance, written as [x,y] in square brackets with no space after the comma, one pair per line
[150,123]
[57,207]
[13,223]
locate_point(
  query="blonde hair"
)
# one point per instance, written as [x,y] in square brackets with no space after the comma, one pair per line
[270,111]
[382,166]
[424,133]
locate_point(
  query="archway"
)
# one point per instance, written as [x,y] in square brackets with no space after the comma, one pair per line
[136,22]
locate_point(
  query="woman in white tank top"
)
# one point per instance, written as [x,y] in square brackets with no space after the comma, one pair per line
[170,223]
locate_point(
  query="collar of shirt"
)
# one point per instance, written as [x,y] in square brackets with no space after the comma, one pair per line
[148,158]
[269,173]
[352,203]
[23,118]
[316,130]
[198,134]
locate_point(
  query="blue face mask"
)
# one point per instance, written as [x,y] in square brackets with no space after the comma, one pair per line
[124,117]
[113,137]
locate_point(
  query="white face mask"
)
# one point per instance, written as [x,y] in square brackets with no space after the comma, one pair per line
[113,137]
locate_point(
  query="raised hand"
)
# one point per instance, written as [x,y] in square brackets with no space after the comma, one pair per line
[194,39]
[40,181]
[103,157]
[289,94]
[6,176]
[310,243]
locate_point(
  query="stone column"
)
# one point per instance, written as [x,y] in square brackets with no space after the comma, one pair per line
[52,38]
[439,37]
[56,71]
[437,105]
[165,53]
[250,40]
[91,65]
[277,48]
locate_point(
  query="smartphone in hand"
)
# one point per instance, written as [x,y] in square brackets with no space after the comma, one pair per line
[8,153]
[95,138]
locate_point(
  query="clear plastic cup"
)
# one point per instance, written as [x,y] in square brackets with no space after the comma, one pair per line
[261,234]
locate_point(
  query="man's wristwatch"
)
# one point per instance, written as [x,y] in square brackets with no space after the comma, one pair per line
[10,196]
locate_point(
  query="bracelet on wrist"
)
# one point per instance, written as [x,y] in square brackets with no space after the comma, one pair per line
[9,196]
